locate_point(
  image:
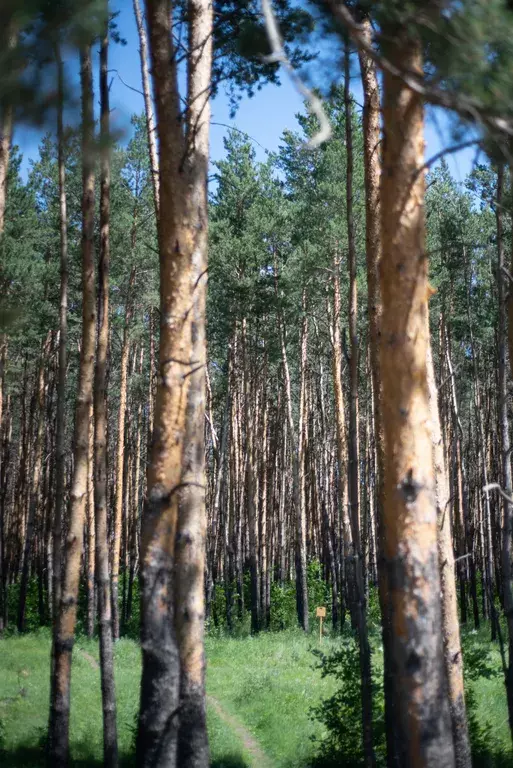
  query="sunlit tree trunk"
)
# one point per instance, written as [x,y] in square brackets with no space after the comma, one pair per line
[295,450]
[66,619]
[120,450]
[346,573]
[353,480]
[60,455]
[148,105]
[421,709]
[507,506]
[91,534]
[110,743]
[172,556]
[450,624]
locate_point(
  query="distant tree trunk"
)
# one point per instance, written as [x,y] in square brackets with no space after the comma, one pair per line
[35,490]
[300,547]
[91,533]
[120,453]
[6,125]
[360,608]
[251,419]
[421,710]
[148,106]
[66,619]
[60,453]
[110,743]
[172,557]
[346,580]
[450,624]
[5,449]
[507,506]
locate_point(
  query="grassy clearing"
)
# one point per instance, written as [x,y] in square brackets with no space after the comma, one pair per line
[268,683]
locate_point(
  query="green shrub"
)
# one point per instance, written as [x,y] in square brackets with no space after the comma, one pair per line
[341,714]
[283,606]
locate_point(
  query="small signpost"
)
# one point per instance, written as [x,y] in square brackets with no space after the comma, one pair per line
[321,614]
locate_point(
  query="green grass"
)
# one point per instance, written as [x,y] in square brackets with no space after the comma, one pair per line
[268,683]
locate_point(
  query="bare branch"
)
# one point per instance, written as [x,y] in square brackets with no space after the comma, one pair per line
[279,56]
[465,106]
[497,487]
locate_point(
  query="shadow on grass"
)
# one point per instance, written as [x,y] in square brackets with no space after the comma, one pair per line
[489,759]
[34,757]
[230,761]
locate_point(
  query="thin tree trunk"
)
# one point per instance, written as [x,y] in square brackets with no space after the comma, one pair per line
[110,741]
[423,722]
[66,619]
[372,172]
[361,621]
[507,525]
[120,453]
[6,125]
[295,450]
[60,454]
[340,420]
[35,490]
[251,420]
[148,106]
[450,624]
[91,533]
[172,588]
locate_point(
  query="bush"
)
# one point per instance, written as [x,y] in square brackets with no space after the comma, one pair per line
[341,714]
[283,606]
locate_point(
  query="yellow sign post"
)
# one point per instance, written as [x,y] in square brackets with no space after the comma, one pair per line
[321,614]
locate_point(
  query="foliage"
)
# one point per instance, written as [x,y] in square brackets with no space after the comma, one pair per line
[341,713]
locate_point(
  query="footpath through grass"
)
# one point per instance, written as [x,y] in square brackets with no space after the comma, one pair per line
[261,690]
[266,684]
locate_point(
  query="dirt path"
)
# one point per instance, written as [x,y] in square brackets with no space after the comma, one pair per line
[87,656]
[257,755]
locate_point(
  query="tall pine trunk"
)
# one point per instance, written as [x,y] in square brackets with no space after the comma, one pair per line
[450,624]
[507,505]
[421,709]
[66,619]
[172,556]
[110,743]
[60,454]
[148,106]
[360,603]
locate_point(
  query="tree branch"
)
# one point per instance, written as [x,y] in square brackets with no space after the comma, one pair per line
[279,56]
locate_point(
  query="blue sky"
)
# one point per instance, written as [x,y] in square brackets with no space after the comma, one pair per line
[264,117]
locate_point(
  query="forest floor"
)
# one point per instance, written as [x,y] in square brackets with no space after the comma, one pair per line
[260,693]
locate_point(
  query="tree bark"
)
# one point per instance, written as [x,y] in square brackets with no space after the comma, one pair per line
[110,741]
[295,450]
[35,487]
[120,451]
[360,607]
[148,106]
[410,522]
[60,455]
[172,560]
[507,506]
[450,623]
[66,619]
